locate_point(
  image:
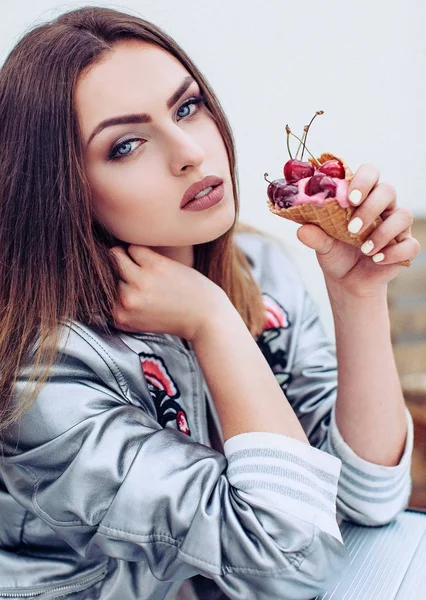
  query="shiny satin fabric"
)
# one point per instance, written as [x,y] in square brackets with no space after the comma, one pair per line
[100,500]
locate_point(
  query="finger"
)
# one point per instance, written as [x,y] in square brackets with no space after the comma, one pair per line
[382,199]
[120,310]
[364,180]
[142,254]
[314,237]
[128,269]
[406,233]
[396,226]
[408,249]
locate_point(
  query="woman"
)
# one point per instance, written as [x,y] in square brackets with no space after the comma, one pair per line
[146,343]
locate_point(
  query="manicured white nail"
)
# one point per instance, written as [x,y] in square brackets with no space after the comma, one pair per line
[367,247]
[355,225]
[378,257]
[355,196]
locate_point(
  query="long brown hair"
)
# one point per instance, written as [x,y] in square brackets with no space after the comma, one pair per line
[55,263]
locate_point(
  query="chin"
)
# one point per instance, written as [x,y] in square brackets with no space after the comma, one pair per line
[214,230]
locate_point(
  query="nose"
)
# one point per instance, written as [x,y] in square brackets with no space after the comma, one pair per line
[184,152]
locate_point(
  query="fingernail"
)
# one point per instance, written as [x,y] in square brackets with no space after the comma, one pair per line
[355,225]
[367,247]
[355,196]
[378,257]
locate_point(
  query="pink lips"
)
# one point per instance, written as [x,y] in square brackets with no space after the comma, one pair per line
[199,186]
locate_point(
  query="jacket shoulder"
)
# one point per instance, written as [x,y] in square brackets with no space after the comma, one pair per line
[92,370]
[91,350]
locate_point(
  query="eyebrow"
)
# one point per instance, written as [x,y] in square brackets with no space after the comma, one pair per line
[141,117]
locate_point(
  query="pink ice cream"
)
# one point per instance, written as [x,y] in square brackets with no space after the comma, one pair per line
[320,198]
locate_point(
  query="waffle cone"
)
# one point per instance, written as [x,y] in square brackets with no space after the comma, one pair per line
[331,217]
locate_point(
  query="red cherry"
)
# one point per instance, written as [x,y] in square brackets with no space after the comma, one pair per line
[333,168]
[281,193]
[313,186]
[273,187]
[321,183]
[270,191]
[296,169]
[284,196]
[329,185]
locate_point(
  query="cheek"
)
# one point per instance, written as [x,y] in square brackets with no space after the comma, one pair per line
[126,198]
[121,189]
[214,140]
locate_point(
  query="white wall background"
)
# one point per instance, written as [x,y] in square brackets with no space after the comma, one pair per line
[277,61]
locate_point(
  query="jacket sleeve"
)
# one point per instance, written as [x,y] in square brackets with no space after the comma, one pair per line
[92,462]
[368,493]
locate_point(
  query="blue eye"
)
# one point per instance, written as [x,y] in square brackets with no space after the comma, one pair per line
[119,151]
[186,105]
[116,150]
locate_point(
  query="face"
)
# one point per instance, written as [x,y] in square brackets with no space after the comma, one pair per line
[138,172]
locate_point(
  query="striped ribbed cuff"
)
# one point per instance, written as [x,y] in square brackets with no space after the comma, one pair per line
[369,488]
[293,477]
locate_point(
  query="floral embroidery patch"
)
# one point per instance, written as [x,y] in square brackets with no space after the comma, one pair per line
[276,315]
[276,319]
[164,392]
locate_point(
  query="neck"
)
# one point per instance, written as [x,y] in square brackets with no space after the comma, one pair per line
[182,254]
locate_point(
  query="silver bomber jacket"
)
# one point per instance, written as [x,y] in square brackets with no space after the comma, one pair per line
[116,484]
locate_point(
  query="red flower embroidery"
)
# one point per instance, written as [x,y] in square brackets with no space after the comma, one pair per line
[182,422]
[156,373]
[276,315]
[164,392]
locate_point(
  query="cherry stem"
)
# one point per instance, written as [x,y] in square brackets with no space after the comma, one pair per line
[319,112]
[288,131]
[298,138]
[265,175]
[305,131]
